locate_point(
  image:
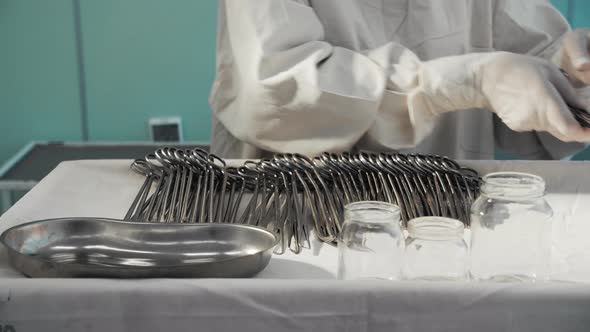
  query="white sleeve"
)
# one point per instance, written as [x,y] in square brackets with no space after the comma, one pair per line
[532,27]
[299,93]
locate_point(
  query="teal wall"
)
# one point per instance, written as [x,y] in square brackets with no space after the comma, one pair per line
[143,58]
[38,74]
[562,5]
[580,13]
[147,58]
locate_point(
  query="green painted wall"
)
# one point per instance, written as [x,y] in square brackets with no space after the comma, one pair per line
[562,5]
[38,74]
[148,58]
[581,14]
[143,58]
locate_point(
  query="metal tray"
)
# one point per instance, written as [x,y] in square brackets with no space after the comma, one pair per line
[106,248]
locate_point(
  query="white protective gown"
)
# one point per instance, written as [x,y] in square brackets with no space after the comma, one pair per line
[308,76]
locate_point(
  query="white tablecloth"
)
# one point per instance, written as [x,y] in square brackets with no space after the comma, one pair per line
[294,293]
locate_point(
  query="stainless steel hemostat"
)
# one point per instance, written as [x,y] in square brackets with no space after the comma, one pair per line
[291,194]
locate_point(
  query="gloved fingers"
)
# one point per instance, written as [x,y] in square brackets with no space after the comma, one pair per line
[583,77]
[577,48]
[559,136]
[560,121]
[582,135]
[579,134]
[566,89]
[574,133]
[576,56]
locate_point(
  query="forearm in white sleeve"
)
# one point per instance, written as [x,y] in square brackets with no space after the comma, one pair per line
[532,27]
[299,93]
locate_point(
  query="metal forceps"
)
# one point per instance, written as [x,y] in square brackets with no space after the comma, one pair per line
[303,170]
[142,167]
[291,193]
[296,198]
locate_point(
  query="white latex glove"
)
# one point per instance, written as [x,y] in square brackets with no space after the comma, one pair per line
[574,56]
[526,92]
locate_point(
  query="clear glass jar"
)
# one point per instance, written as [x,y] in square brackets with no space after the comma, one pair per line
[371,243]
[435,250]
[511,229]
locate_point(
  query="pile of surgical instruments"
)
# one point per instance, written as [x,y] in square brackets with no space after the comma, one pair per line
[582,116]
[291,194]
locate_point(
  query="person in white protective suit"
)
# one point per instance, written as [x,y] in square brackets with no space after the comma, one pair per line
[455,78]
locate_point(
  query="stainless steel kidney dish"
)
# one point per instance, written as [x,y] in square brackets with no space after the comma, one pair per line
[94,247]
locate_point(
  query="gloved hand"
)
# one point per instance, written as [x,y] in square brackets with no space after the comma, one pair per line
[574,56]
[527,93]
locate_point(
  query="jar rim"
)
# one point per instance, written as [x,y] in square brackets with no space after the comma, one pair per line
[372,211]
[435,228]
[513,184]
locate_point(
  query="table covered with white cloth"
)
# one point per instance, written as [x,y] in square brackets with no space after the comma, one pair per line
[295,292]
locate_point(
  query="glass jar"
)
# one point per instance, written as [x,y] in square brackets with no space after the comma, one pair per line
[435,250]
[511,229]
[371,243]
